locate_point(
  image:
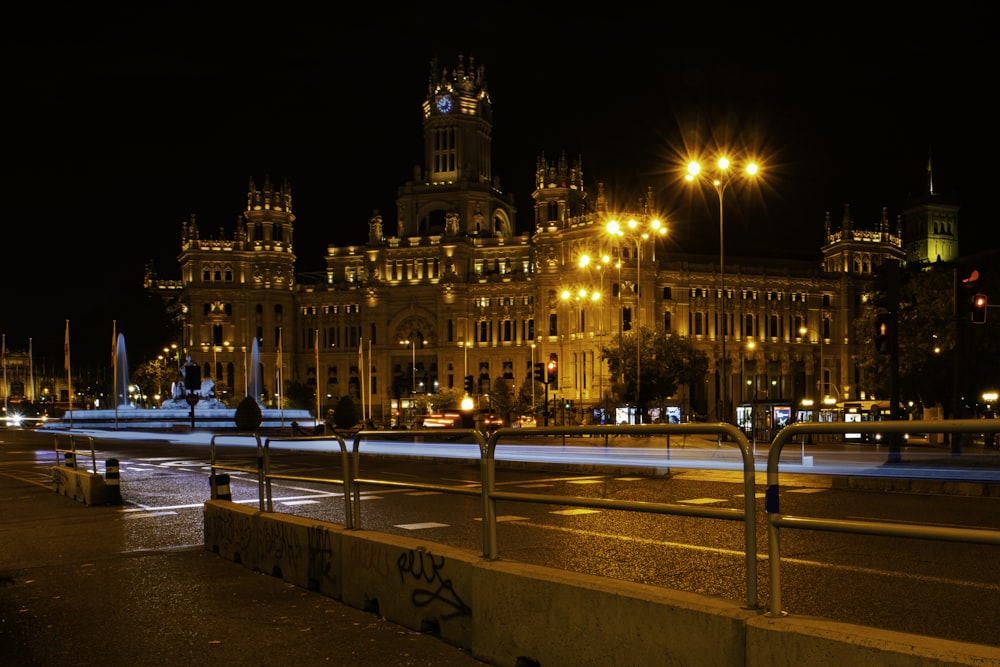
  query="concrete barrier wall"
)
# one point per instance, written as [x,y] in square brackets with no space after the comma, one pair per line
[528,614]
[508,613]
[85,487]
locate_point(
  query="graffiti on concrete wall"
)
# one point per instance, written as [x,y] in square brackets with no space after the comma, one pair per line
[278,540]
[67,484]
[370,557]
[231,529]
[424,567]
[321,555]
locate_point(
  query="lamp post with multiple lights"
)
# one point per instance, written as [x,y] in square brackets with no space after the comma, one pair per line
[586,262]
[720,180]
[637,234]
[412,342]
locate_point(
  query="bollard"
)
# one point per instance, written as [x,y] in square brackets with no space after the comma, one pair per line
[112,481]
[220,487]
[70,459]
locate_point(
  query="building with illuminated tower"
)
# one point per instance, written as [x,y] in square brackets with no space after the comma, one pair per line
[449,288]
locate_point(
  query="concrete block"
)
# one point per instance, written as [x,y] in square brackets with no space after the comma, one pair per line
[527,614]
[229,531]
[301,551]
[540,615]
[421,586]
[85,487]
[817,642]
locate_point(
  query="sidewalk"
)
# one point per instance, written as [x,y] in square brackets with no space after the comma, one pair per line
[70,595]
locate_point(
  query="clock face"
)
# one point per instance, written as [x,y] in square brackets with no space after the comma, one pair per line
[444,104]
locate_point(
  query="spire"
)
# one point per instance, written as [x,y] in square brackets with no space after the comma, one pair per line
[375,235]
[930,173]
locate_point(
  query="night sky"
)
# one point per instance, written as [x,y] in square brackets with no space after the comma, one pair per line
[119,131]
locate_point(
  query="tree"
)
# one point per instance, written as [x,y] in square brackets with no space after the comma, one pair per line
[927,343]
[530,397]
[299,396]
[447,398]
[665,362]
[154,377]
[502,400]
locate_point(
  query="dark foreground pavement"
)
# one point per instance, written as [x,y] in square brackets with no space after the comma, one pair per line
[69,595]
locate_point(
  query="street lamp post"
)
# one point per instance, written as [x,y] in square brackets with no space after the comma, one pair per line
[720,182]
[598,298]
[637,236]
[412,342]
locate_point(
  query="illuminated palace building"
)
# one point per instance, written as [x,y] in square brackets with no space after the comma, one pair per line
[451,289]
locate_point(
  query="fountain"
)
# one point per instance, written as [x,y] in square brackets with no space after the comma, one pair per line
[206,395]
[255,386]
[209,412]
[121,375]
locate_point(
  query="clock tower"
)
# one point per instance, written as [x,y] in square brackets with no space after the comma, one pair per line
[454,193]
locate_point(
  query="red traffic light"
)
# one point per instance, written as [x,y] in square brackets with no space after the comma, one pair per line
[883,337]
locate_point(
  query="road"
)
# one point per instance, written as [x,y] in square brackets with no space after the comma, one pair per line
[932,588]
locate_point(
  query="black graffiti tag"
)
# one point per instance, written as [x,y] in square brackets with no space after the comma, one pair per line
[423,566]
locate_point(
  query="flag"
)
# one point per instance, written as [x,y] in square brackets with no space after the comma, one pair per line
[361,374]
[277,366]
[66,347]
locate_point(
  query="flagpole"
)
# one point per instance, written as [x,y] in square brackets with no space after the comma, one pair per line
[31,372]
[3,352]
[316,355]
[69,375]
[361,375]
[369,367]
[281,402]
[114,367]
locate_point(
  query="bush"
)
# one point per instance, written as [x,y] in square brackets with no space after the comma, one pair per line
[345,415]
[248,414]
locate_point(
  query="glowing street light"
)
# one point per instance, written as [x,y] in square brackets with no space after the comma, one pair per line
[634,232]
[412,342]
[720,181]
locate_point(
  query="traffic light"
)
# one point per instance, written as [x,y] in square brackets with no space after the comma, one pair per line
[468,384]
[192,377]
[539,372]
[886,285]
[979,305]
[883,333]
[551,370]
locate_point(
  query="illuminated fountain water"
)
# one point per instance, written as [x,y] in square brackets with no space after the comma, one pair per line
[209,412]
[255,385]
[121,375]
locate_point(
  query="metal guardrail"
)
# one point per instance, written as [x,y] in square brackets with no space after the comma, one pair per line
[308,443]
[776,520]
[746,515]
[485,445]
[215,465]
[72,449]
